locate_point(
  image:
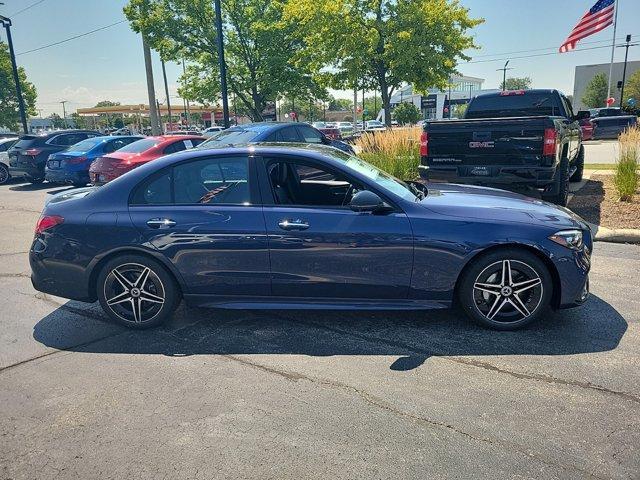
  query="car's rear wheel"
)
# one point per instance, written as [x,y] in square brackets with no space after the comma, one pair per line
[560,195]
[505,289]
[4,174]
[137,291]
[35,180]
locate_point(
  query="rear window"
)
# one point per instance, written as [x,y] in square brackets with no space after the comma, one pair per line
[140,146]
[25,141]
[229,137]
[524,105]
[85,145]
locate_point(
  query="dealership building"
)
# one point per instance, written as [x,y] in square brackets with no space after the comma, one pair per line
[584,74]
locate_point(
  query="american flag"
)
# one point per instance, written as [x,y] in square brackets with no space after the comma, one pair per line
[599,17]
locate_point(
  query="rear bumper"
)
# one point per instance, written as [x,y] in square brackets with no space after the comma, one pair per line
[63,176]
[25,171]
[490,175]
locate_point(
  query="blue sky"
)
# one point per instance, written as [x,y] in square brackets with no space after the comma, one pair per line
[109,64]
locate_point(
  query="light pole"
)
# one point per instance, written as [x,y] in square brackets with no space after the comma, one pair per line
[166,91]
[504,74]
[6,23]
[624,69]
[64,112]
[187,108]
[223,66]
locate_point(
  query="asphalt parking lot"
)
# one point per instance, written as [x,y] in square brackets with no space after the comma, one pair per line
[240,394]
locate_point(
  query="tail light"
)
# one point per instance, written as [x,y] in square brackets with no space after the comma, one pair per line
[424,144]
[75,160]
[549,141]
[45,222]
[34,152]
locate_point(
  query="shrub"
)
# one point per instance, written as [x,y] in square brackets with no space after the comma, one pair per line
[406,113]
[627,179]
[396,151]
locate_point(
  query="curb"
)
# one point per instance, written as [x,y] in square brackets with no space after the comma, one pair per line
[615,235]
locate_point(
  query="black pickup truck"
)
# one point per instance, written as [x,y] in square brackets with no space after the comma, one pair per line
[511,139]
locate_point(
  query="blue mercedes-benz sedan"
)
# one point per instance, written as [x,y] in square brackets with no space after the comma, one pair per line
[305,227]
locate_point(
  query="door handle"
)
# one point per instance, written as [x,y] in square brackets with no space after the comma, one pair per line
[293,224]
[161,223]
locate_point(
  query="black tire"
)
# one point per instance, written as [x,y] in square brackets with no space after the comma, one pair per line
[481,285]
[560,195]
[4,174]
[577,175]
[35,180]
[120,289]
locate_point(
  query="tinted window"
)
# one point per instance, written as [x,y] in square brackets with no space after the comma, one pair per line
[174,147]
[67,139]
[230,137]
[117,144]
[156,190]
[212,181]
[522,105]
[26,141]
[287,134]
[310,135]
[7,145]
[141,145]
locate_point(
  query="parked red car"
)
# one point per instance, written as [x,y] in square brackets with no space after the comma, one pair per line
[587,128]
[107,168]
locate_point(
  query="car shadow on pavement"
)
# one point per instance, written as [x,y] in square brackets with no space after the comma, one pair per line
[412,336]
[34,187]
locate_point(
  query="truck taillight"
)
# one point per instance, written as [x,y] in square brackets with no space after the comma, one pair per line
[424,144]
[46,222]
[549,141]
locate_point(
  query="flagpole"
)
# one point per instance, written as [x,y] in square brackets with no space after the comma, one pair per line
[613,47]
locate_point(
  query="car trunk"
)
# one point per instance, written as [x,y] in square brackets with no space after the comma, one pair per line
[509,141]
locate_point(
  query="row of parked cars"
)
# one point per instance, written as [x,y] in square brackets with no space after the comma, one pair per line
[605,123]
[80,157]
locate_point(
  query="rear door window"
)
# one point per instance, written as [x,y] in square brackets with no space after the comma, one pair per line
[288,134]
[309,134]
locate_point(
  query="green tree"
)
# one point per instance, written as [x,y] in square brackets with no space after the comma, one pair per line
[336,104]
[9,110]
[382,43]
[79,121]
[516,83]
[595,95]
[632,89]
[57,120]
[406,113]
[259,48]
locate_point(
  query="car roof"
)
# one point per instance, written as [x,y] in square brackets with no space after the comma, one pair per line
[531,90]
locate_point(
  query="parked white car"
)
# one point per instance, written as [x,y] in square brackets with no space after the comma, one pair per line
[210,131]
[5,145]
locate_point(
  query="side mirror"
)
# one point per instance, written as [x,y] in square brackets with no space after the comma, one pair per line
[367,201]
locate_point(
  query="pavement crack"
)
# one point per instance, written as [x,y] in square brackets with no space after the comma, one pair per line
[477,363]
[381,404]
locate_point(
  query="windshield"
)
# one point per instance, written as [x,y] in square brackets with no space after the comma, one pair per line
[521,105]
[377,176]
[84,146]
[229,137]
[140,146]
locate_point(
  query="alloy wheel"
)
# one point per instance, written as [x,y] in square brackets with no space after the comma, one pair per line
[134,292]
[507,291]
[4,174]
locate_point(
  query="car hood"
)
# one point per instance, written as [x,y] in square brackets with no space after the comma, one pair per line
[482,203]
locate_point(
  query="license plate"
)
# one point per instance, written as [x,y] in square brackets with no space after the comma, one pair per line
[54,164]
[480,171]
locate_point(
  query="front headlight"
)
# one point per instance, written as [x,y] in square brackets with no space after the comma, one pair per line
[568,238]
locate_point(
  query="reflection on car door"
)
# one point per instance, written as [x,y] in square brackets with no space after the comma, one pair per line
[204,216]
[319,247]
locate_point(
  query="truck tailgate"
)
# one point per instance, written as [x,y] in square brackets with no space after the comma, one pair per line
[507,141]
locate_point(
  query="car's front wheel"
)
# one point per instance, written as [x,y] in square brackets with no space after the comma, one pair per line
[4,174]
[505,289]
[137,291]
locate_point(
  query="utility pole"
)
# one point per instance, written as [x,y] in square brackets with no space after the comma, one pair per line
[504,74]
[153,112]
[355,107]
[363,124]
[6,23]
[64,113]
[166,92]
[624,70]
[223,65]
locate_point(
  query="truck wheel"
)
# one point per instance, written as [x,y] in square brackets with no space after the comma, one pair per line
[560,194]
[577,175]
